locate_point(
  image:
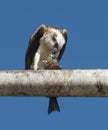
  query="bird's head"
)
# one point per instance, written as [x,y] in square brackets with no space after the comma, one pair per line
[53,38]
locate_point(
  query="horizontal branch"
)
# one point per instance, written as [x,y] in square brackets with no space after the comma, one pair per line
[54,83]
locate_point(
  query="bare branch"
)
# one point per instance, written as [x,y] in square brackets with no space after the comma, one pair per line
[54,83]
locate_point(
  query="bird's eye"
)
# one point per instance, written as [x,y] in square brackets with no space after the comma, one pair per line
[56,45]
[54,39]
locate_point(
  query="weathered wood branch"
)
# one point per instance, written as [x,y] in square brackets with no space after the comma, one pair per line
[54,83]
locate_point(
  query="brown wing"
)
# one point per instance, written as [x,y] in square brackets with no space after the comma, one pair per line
[33,46]
[63,48]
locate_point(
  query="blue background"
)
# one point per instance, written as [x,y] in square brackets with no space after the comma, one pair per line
[87,48]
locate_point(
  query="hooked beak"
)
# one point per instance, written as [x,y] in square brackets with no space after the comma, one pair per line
[55,50]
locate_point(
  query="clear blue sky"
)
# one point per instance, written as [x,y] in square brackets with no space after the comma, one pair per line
[87,48]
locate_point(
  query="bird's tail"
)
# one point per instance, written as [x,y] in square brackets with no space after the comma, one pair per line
[53,105]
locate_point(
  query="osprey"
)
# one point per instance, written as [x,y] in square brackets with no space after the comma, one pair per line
[46,40]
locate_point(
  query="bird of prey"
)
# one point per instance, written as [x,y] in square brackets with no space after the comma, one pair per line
[46,43]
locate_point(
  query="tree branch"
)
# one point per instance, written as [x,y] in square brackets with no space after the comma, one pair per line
[54,83]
